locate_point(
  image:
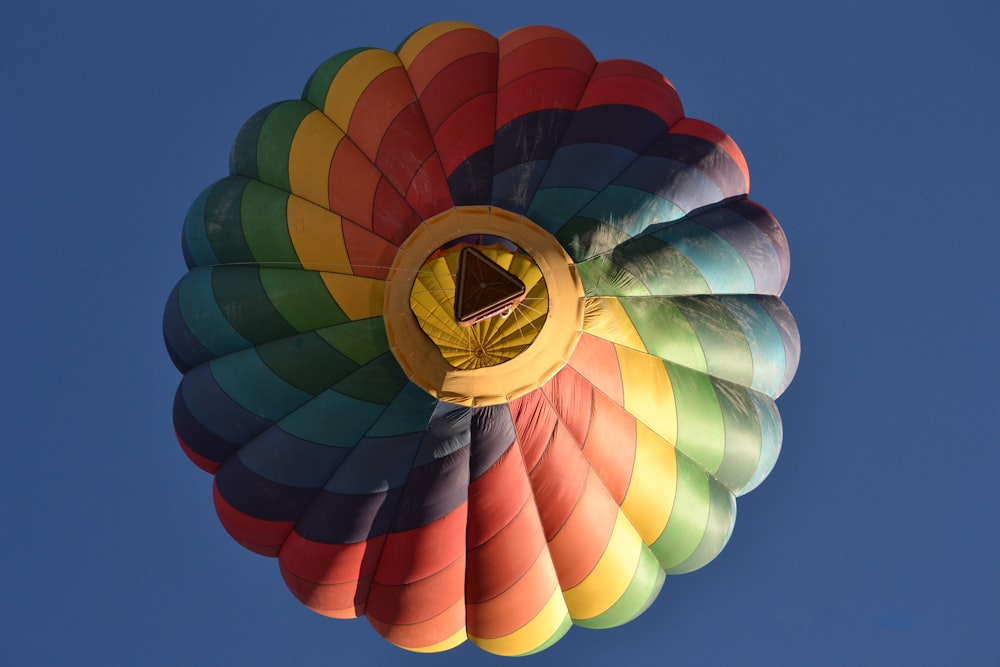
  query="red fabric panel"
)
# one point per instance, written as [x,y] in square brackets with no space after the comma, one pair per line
[332,579]
[393,218]
[406,149]
[571,397]
[445,50]
[500,562]
[536,48]
[547,89]
[257,535]
[496,497]
[353,181]
[466,131]
[459,82]
[582,540]
[534,423]
[384,98]
[370,255]
[558,480]
[630,82]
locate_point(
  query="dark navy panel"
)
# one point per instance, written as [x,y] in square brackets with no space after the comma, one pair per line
[258,496]
[433,491]
[215,411]
[590,166]
[515,188]
[447,432]
[283,458]
[705,156]
[375,465]
[622,125]
[492,434]
[198,438]
[753,245]
[472,181]
[338,518]
[533,136]
[185,350]
[681,184]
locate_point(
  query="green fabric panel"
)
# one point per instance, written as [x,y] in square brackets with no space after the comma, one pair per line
[722,339]
[197,248]
[743,443]
[268,137]
[318,86]
[243,155]
[665,331]
[301,298]
[767,350]
[551,208]
[241,296]
[601,277]
[688,517]
[770,438]
[378,381]
[360,340]
[249,382]
[721,266]
[642,590]
[630,209]
[661,268]
[307,362]
[265,225]
[203,317]
[560,632]
[701,433]
[222,220]
[409,412]
[718,528]
[332,419]
[586,237]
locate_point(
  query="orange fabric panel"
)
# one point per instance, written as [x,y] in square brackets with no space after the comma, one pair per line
[517,605]
[504,559]
[496,497]
[610,445]
[342,600]
[425,633]
[597,360]
[571,397]
[583,538]
[416,554]
[558,480]
[418,601]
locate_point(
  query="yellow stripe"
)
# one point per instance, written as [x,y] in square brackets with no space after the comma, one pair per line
[446,645]
[649,395]
[419,40]
[610,578]
[358,297]
[533,634]
[310,156]
[653,486]
[605,317]
[318,237]
[352,80]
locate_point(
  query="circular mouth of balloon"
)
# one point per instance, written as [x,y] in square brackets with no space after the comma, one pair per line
[482,306]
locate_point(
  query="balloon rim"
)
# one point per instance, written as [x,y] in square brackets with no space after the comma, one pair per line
[548,353]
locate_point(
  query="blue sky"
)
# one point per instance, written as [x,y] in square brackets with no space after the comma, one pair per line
[871,133]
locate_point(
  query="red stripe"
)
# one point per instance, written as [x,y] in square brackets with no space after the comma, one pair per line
[630,82]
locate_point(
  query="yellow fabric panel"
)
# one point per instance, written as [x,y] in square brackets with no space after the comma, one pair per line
[310,156]
[651,491]
[357,296]
[419,40]
[351,81]
[605,317]
[534,634]
[649,395]
[609,579]
[318,237]
[445,645]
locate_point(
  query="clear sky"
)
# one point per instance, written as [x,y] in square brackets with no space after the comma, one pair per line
[871,133]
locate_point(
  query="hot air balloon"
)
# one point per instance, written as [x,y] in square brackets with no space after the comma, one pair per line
[481,338]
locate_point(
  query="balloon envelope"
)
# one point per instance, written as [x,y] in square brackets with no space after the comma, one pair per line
[501,449]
